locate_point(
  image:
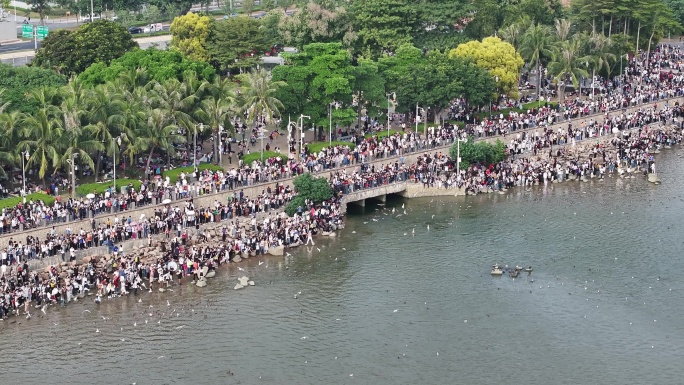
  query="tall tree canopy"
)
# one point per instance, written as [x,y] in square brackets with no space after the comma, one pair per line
[189,34]
[236,42]
[160,65]
[498,57]
[72,52]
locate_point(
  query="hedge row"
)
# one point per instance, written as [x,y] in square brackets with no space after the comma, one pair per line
[99,188]
[14,201]
[247,159]
[175,173]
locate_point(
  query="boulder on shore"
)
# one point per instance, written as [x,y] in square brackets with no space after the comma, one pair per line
[238,287]
[237,258]
[277,250]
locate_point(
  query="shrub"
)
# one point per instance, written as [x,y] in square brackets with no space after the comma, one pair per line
[318,146]
[308,187]
[99,188]
[480,152]
[14,201]
[175,173]
[251,157]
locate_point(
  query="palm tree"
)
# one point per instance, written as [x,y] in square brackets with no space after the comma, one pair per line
[158,132]
[174,97]
[567,63]
[535,45]
[563,27]
[77,142]
[9,125]
[103,112]
[256,95]
[217,109]
[40,133]
[602,54]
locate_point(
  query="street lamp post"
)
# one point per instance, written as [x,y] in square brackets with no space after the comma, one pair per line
[115,141]
[458,156]
[301,133]
[72,162]
[261,136]
[24,158]
[416,118]
[390,102]
[194,159]
[330,106]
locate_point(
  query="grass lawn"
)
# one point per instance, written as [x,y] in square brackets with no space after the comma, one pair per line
[14,201]
[256,155]
[318,146]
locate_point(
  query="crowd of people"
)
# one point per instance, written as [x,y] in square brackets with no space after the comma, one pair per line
[533,159]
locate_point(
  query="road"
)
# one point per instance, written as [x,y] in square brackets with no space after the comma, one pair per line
[22,55]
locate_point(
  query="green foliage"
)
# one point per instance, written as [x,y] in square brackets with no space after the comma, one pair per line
[292,207]
[174,174]
[247,159]
[14,201]
[17,82]
[236,42]
[315,77]
[318,146]
[369,87]
[99,188]
[479,152]
[308,187]
[160,65]
[189,35]
[384,24]
[72,52]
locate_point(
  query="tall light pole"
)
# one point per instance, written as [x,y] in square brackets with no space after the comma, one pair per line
[425,111]
[390,102]
[24,158]
[72,162]
[115,141]
[301,133]
[194,159]
[330,106]
[458,155]
[262,131]
[92,15]
[416,118]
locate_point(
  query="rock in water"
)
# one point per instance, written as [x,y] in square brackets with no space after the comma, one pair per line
[238,287]
[278,250]
[211,274]
[251,283]
[202,282]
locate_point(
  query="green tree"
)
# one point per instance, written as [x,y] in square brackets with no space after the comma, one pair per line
[310,188]
[189,34]
[72,52]
[217,108]
[236,42]
[536,47]
[316,22]
[316,77]
[368,88]
[160,65]
[41,7]
[479,152]
[568,63]
[496,56]
[383,24]
[17,82]
[439,23]
[103,107]
[40,134]
[257,95]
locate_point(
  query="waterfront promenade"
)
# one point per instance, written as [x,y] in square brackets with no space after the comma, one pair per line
[254,190]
